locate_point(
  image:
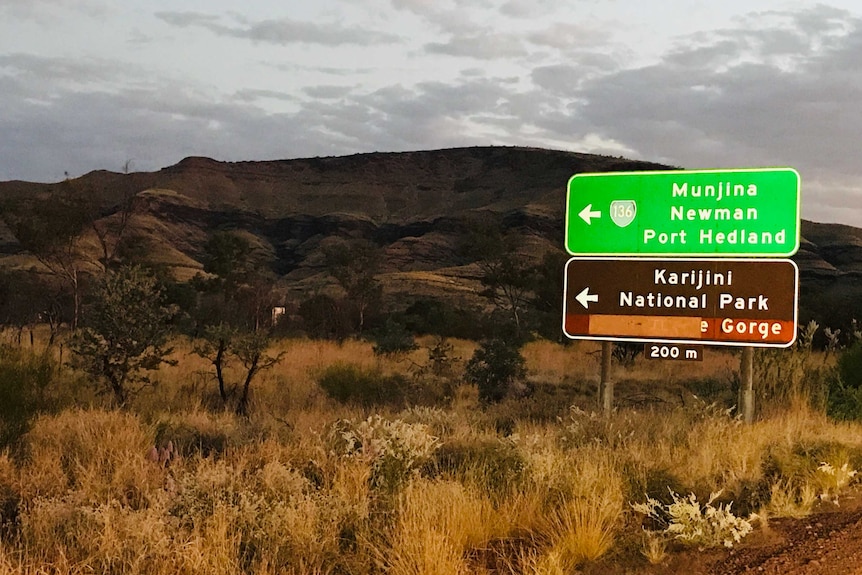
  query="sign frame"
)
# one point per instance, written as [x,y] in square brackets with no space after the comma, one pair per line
[585,299]
[718,204]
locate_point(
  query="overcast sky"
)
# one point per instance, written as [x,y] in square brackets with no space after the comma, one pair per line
[90,84]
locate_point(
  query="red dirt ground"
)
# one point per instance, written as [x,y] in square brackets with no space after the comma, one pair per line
[828,542]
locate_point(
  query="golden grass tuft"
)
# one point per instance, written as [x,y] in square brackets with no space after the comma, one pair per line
[438,523]
[583,526]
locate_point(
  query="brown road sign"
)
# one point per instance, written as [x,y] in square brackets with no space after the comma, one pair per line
[712,301]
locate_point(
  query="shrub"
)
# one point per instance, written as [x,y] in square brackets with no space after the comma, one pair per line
[435,381]
[257,514]
[845,389]
[786,375]
[439,524]
[395,449]
[626,353]
[688,521]
[351,383]
[9,497]
[127,332]
[24,381]
[833,478]
[434,317]
[494,368]
[393,339]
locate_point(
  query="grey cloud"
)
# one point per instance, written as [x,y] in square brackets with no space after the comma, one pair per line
[565,79]
[528,8]
[564,36]
[484,45]
[81,131]
[747,98]
[519,8]
[421,7]
[281,31]
[186,19]
[59,69]
[289,31]
[45,10]
[250,95]
[332,71]
[448,20]
[474,39]
[751,111]
[832,200]
[327,92]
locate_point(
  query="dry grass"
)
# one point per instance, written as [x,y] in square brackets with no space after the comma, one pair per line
[438,523]
[583,526]
[273,493]
[551,362]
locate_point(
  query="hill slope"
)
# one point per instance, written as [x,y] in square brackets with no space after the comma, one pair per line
[415,205]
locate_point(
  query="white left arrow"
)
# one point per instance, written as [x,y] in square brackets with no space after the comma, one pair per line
[585,297]
[587,214]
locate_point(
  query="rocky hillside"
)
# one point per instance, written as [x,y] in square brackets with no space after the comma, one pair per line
[414,205]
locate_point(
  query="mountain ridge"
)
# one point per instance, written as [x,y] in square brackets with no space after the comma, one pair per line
[414,205]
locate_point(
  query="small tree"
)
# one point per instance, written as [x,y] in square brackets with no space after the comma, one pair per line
[504,272]
[250,349]
[221,344]
[546,282]
[495,367]
[215,346]
[126,332]
[50,230]
[243,291]
[354,266]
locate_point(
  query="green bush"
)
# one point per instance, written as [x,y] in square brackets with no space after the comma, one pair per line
[495,367]
[845,389]
[24,382]
[435,317]
[850,366]
[393,339]
[354,384]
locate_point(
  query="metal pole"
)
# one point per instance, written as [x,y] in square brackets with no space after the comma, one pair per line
[746,384]
[606,386]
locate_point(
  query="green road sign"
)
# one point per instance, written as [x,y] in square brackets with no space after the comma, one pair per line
[745,212]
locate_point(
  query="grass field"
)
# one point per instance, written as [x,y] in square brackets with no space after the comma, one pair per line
[435,483]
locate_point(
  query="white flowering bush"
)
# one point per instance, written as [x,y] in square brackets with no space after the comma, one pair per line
[833,479]
[439,421]
[394,449]
[694,524]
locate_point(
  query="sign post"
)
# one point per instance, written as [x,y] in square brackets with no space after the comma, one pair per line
[606,384]
[746,384]
[711,224]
